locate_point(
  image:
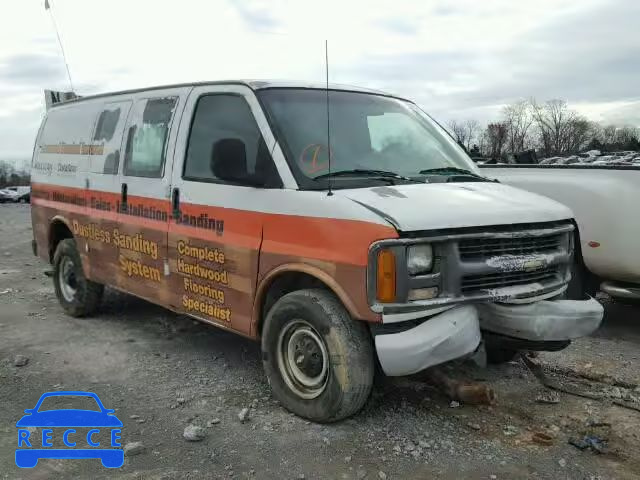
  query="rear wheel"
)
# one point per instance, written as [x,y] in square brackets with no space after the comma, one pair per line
[77,295]
[319,361]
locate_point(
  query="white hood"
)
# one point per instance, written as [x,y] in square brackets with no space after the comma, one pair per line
[454,205]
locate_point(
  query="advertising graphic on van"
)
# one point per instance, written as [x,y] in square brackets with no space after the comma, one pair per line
[211,200]
[69,433]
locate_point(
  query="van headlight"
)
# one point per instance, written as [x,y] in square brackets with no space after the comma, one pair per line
[419,259]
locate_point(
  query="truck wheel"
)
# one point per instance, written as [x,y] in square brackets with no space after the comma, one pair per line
[319,361]
[77,295]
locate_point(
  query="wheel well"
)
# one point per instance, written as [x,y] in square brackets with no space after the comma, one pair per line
[284,283]
[591,282]
[57,232]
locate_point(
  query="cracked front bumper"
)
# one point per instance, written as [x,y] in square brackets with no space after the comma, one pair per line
[556,320]
[441,338]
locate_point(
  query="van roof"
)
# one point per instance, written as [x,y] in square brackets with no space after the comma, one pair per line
[253,84]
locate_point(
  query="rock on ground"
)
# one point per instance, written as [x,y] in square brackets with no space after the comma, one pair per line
[193,433]
[20,360]
[133,448]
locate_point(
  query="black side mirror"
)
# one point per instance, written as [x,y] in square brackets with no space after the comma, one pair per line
[229,162]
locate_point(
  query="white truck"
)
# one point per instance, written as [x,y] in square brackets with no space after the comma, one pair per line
[604,199]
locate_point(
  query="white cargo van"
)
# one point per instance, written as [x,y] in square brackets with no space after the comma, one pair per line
[221,201]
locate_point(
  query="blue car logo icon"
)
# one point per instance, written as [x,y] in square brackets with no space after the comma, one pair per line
[98,430]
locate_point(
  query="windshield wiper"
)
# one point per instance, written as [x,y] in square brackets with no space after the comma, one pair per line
[454,170]
[363,172]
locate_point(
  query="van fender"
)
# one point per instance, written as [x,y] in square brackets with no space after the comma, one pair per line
[311,270]
[83,254]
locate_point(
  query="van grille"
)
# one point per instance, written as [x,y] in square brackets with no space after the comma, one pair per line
[482,248]
[474,283]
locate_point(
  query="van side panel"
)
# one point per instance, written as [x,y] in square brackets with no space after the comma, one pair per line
[103,186]
[58,171]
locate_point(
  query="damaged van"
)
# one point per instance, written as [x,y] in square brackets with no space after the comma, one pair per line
[375,242]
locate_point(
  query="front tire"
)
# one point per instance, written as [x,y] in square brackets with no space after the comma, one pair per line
[78,296]
[319,361]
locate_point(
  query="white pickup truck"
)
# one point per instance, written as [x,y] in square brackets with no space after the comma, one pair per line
[605,201]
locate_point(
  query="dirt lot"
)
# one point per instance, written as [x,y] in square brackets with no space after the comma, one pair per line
[162,372]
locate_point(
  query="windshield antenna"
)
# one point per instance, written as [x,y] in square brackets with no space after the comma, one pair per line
[326,69]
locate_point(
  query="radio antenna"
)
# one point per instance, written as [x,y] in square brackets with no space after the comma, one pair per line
[47,6]
[326,69]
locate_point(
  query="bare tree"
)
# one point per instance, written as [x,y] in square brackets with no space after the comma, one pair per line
[577,134]
[609,134]
[472,127]
[496,135]
[518,120]
[459,132]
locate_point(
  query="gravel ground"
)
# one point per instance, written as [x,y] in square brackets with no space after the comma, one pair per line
[162,373]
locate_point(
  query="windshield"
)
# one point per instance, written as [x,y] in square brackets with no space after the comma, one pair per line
[65,402]
[368,132]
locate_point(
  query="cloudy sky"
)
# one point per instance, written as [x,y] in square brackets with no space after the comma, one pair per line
[462,59]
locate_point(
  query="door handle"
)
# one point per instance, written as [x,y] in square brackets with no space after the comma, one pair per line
[123,199]
[175,202]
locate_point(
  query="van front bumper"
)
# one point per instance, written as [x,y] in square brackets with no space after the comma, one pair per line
[439,339]
[556,320]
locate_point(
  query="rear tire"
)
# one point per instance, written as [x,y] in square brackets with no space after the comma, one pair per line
[319,361]
[78,296]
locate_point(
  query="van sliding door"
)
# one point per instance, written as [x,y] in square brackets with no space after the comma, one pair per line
[104,155]
[143,199]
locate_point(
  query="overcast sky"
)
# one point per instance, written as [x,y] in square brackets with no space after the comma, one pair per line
[462,59]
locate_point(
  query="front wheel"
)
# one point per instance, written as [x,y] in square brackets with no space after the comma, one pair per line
[319,361]
[77,295]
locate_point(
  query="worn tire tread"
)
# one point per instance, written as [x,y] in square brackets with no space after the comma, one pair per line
[358,362]
[89,293]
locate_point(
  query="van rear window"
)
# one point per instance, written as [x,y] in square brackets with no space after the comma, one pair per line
[147,137]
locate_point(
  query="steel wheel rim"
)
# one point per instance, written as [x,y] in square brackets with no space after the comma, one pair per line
[67,279]
[303,359]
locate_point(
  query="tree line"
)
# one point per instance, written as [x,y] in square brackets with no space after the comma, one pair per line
[12,177]
[550,129]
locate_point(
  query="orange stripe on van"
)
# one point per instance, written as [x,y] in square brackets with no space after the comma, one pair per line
[293,235]
[73,149]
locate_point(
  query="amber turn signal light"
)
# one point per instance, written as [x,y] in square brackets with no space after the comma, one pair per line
[386,276]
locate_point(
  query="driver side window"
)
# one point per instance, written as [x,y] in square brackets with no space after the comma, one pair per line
[225,144]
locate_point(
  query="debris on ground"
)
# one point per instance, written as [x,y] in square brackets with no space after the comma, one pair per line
[542,438]
[454,404]
[472,393]
[550,397]
[596,444]
[243,415]
[212,422]
[194,433]
[133,448]
[20,360]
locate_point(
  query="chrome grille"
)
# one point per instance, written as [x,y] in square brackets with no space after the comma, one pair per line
[473,283]
[482,248]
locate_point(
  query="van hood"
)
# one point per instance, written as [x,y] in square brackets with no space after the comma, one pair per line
[454,205]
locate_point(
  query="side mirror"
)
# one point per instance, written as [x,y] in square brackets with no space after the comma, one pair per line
[229,162]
